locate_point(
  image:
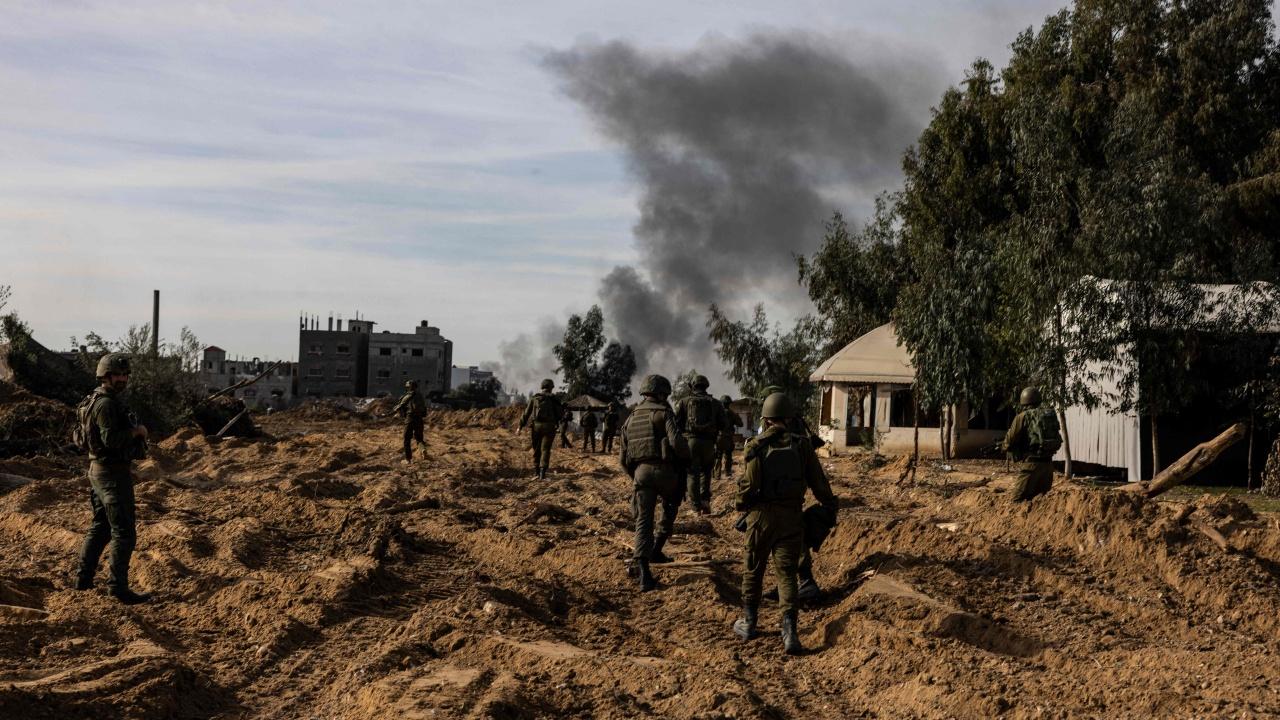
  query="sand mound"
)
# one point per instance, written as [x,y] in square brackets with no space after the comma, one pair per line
[30,423]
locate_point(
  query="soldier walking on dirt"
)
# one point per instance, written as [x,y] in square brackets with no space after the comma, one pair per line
[544,412]
[413,408]
[723,462]
[565,420]
[650,444]
[701,418]
[778,467]
[611,418]
[589,423]
[113,441]
[1032,440]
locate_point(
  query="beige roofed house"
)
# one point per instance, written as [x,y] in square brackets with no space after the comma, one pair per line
[866,399]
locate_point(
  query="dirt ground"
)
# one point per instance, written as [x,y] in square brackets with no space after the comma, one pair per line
[310,574]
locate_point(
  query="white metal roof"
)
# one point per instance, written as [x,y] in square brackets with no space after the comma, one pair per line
[873,358]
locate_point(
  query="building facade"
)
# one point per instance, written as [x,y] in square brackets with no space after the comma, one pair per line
[358,362]
[468,376]
[274,390]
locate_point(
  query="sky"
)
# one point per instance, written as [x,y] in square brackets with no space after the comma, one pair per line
[406,160]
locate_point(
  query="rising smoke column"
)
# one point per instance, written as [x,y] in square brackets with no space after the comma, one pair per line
[742,150]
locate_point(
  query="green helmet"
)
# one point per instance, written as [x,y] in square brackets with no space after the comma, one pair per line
[777,407]
[701,382]
[113,363]
[548,384]
[769,390]
[410,384]
[1030,397]
[655,385]
[726,399]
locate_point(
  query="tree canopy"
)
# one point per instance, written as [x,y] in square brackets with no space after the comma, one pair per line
[583,365]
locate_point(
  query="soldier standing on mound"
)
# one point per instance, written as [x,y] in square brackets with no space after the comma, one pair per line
[413,407]
[589,422]
[1032,440]
[611,419]
[701,418]
[565,419]
[544,412]
[114,441]
[650,447]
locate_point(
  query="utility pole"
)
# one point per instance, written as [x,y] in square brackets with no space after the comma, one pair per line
[155,323]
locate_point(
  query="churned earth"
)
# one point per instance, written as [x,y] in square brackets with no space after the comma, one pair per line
[309,574]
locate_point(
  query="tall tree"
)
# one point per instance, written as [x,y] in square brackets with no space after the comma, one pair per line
[612,380]
[758,354]
[583,339]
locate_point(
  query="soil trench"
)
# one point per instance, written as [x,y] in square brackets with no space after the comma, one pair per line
[311,574]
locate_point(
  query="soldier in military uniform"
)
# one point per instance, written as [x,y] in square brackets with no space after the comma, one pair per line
[700,418]
[779,465]
[114,441]
[650,445]
[589,422]
[611,418]
[723,462]
[1032,440]
[565,420]
[413,408]
[543,411]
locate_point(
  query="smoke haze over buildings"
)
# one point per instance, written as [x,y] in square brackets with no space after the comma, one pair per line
[742,149]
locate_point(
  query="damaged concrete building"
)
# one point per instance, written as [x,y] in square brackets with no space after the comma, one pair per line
[274,390]
[357,362]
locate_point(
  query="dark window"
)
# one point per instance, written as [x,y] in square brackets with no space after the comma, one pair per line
[315,372]
[384,351]
[384,374]
[404,351]
[342,372]
[417,352]
[344,349]
[316,350]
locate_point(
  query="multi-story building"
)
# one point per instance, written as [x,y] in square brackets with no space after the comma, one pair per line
[423,355]
[468,376]
[361,363]
[274,390]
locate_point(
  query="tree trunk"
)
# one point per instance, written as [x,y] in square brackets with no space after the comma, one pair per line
[1271,471]
[953,433]
[915,406]
[1066,443]
[1248,481]
[1155,448]
[1200,457]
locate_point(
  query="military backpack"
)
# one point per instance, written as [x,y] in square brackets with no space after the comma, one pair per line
[546,409]
[1044,437]
[83,428]
[781,468]
[702,416]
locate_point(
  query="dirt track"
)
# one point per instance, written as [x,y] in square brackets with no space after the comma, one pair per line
[314,576]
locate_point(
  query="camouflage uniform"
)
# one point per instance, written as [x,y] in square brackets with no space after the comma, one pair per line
[414,409]
[1035,471]
[541,414]
[589,423]
[112,449]
[565,420]
[723,462]
[611,418]
[702,443]
[650,443]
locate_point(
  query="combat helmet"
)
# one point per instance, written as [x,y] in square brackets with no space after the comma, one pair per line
[655,385]
[113,363]
[1030,397]
[410,384]
[701,382]
[769,390]
[726,399]
[777,407]
[548,384]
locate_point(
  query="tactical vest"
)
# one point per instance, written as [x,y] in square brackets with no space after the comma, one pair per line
[781,469]
[1043,434]
[700,415]
[545,409]
[645,431]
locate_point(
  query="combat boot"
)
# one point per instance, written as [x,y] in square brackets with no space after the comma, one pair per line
[657,556]
[808,590]
[745,626]
[83,580]
[647,581]
[790,635]
[129,597]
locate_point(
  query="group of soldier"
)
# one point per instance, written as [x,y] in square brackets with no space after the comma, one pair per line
[668,452]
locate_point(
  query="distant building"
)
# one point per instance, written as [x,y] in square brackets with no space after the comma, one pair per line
[273,390]
[468,376]
[361,363]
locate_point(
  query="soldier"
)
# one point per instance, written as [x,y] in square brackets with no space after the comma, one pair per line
[544,412]
[611,418]
[589,422]
[650,444]
[413,408]
[778,466]
[1032,440]
[724,445]
[565,420]
[700,417]
[114,441]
